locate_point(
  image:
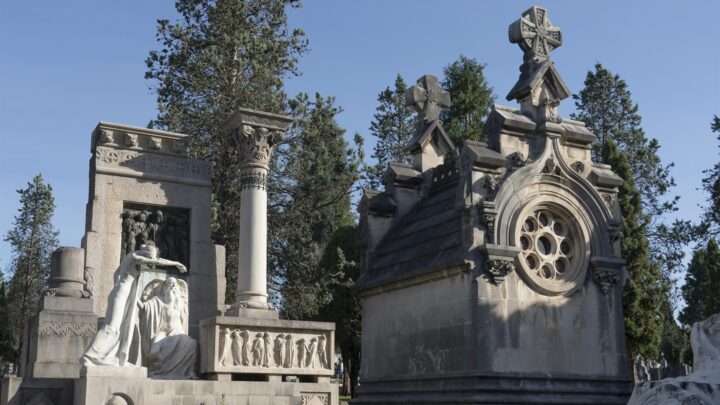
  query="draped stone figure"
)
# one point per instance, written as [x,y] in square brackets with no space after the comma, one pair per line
[112,344]
[167,349]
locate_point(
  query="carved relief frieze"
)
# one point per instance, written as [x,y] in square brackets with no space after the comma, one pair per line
[256,349]
[155,143]
[152,163]
[67,328]
[131,140]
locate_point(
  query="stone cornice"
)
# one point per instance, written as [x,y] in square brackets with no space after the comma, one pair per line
[120,136]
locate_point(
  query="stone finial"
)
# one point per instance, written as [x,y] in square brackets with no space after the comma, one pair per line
[428,98]
[540,87]
[534,33]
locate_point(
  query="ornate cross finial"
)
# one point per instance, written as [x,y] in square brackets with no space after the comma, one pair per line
[535,34]
[428,98]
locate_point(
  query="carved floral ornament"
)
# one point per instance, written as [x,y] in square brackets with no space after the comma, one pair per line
[254,145]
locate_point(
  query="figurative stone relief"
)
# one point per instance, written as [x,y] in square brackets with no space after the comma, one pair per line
[271,349]
[167,228]
[154,314]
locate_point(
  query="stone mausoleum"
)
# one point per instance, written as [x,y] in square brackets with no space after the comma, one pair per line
[137,315]
[494,274]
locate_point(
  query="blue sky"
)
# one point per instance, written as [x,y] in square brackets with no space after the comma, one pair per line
[64,66]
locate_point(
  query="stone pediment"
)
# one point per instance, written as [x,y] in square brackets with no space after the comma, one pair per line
[432,131]
[544,73]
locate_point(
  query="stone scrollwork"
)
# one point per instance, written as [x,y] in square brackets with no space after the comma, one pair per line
[159,164]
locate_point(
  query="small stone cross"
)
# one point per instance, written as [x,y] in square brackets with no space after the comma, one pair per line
[535,34]
[428,98]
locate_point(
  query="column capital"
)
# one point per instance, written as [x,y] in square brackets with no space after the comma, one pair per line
[255,133]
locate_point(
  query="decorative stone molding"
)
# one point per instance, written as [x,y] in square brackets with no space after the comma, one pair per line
[256,180]
[517,160]
[254,145]
[606,272]
[315,399]
[106,136]
[579,166]
[58,328]
[499,262]
[136,161]
[155,143]
[491,185]
[498,269]
[131,140]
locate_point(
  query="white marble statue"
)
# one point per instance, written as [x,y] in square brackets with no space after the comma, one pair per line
[167,349]
[700,387]
[113,342]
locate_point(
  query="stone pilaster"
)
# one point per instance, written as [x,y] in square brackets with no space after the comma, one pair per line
[254,133]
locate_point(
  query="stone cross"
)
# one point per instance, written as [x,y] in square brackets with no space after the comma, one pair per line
[428,98]
[255,133]
[535,34]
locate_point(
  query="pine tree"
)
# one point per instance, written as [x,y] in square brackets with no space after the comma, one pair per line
[471,100]
[310,199]
[393,126]
[643,293]
[32,239]
[711,185]
[221,55]
[701,285]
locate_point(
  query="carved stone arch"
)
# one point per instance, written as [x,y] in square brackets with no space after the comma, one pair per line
[562,195]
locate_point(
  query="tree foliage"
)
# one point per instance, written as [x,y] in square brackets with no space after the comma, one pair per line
[218,56]
[471,100]
[32,240]
[342,257]
[711,185]
[393,126]
[701,285]
[643,293]
[310,198]
[606,106]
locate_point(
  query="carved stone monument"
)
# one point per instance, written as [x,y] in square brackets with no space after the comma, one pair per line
[702,386]
[494,275]
[122,317]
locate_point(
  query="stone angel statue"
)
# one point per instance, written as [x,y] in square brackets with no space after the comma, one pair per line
[167,350]
[112,346]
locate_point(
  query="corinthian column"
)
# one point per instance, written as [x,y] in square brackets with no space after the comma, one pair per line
[254,133]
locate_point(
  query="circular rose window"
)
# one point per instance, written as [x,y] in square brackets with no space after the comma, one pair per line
[552,254]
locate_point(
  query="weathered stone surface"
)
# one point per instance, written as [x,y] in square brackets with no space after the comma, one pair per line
[483,291]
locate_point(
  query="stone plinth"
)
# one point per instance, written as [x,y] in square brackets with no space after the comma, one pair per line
[232,345]
[58,337]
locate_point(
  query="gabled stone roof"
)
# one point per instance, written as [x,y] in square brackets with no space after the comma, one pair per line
[428,239]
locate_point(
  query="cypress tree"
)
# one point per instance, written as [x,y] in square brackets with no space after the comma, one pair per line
[711,185]
[32,240]
[643,293]
[701,284]
[392,126]
[471,100]
[311,200]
